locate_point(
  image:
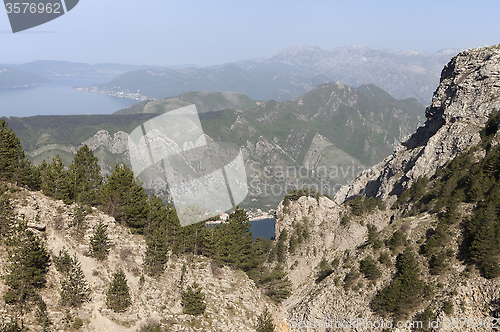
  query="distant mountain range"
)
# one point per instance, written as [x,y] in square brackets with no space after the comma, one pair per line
[51,69]
[287,75]
[333,126]
[293,72]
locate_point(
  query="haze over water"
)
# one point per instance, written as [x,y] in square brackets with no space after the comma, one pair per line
[58,99]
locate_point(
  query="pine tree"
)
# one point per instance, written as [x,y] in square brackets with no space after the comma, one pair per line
[124,199]
[42,316]
[28,266]
[118,297]
[78,222]
[265,322]
[193,300]
[63,261]
[84,178]
[6,214]
[406,291]
[99,242]
[235,241]
[74,288]
[277,285]
[14,165]
[156,237]
[54,179]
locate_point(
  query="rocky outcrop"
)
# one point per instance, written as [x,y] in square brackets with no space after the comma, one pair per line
[466,96]
[233,300]
[102,140]
[468,93]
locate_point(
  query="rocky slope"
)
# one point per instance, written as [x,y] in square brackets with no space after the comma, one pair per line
[233,300]
[466,96]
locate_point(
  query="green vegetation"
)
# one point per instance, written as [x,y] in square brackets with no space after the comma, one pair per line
[6,214]
[99,242]
[350,278]
[373,238]
[124,199]
[14,165]
[52,177]
[42,317]
[27,269]
[63,261]
[325,270]
[84,177]
[118,297]
[151,327]
[193,300]
[156,235]
[265,322]
[361,205]
[74,287]
[396,241]
[295,194]
[70,129]
[464,179]
[369,268]
[406,291]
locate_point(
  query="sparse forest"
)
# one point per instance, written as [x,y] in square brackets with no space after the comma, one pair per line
[119,195]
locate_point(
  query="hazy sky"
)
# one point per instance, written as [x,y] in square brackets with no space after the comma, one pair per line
[207,32]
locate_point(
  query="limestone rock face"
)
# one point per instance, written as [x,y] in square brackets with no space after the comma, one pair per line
[468,93]
[102,139]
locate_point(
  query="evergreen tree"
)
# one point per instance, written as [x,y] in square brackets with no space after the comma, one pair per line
[281,246]
[78,222]
[156,237]
[99,242]
[193,300]
[28,266]
[6,214]
[369,268]
[42,316]
[406,291]
[14,165]
[276,284]
[235,241]
[74,288]
[54,179]
[124,199]
[84,178]
[118,297]
[63,261]
[265,322]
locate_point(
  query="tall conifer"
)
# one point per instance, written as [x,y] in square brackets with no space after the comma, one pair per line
[14,165]
[84,177]
[124,199]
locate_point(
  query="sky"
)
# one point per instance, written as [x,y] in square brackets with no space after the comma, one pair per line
[209,32]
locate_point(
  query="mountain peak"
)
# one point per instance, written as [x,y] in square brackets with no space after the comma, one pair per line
[465,98]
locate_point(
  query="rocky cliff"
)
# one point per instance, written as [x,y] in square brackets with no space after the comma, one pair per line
[466,96]
[326,290]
